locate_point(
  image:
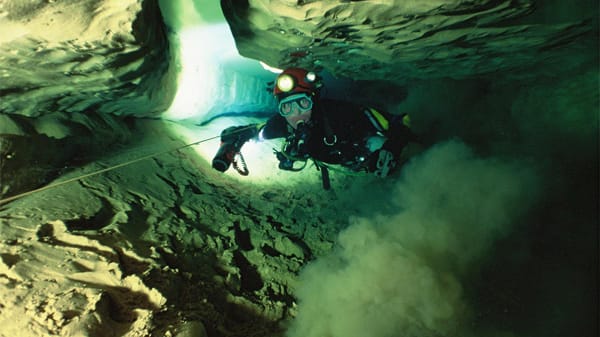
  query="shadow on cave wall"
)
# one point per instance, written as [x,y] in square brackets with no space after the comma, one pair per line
[30,159]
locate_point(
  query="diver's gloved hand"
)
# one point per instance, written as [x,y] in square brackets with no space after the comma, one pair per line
[238,135]
[232,140]
[301,135]
[385,163]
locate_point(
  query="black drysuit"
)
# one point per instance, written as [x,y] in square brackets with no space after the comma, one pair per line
[338,133]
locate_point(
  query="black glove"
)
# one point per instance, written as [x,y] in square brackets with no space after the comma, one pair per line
[238,135]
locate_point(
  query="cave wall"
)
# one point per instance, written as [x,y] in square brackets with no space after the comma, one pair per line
[77,56]
[72,73]
[34,151]
[404,41]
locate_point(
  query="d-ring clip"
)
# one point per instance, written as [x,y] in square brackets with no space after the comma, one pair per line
[328,143]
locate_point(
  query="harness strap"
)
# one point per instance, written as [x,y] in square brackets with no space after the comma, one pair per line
[324,175]
[330,138]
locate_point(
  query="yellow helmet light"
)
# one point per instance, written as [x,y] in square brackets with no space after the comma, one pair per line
[285,83]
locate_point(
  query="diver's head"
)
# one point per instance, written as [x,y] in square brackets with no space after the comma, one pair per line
[296,90]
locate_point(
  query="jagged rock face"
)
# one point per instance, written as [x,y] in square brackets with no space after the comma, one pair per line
[57,57]
[81,62]
[83,55]
[71,72]
[403,40]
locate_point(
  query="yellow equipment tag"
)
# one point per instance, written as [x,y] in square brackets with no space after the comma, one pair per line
[377,119]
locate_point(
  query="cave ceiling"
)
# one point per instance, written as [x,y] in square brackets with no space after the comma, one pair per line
[402,40]
[55,56]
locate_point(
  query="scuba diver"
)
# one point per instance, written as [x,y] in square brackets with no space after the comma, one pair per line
[329,132]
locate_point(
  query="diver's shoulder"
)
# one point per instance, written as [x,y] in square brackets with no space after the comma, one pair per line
[338,103]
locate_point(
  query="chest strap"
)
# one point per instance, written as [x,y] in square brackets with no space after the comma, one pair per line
[330,138]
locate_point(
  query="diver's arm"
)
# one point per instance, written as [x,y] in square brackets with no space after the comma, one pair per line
[275,127]
[234,137]
[238,135]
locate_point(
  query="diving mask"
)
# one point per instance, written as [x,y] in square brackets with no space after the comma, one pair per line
[303,103]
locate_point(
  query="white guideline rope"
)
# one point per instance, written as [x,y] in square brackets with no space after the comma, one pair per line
[47,187]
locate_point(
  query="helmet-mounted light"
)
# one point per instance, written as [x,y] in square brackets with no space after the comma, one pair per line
[296,80]
[285,83]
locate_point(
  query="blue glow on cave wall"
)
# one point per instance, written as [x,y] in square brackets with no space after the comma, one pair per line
[217,85]
[213,79]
